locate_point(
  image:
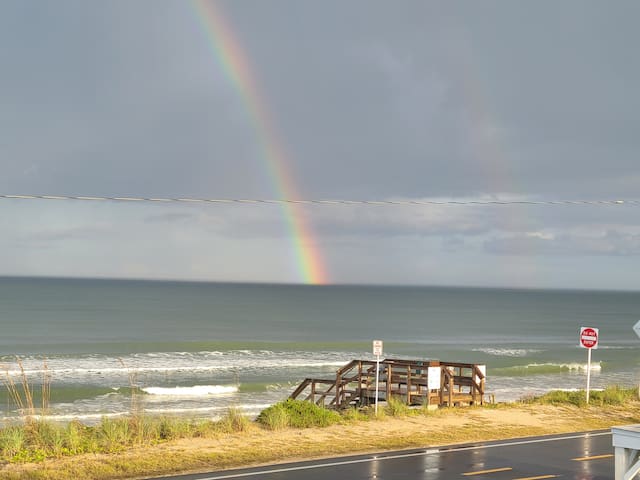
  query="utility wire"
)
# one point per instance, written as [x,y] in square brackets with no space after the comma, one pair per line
[324,202]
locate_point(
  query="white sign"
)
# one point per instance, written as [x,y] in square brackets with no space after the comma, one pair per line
[377,347]
[636,328]
[589,340]
[433,378]
[483,371]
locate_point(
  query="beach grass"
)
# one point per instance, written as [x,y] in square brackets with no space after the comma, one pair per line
[612,395]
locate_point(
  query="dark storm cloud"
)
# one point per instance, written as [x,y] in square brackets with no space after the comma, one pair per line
[454,98]
[415,99]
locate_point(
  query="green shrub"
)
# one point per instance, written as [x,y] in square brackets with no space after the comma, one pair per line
[275,417]
[301,414]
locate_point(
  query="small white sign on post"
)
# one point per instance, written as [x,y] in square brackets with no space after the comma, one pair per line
[377,351]
[589,340]
[636,328]
[433,378]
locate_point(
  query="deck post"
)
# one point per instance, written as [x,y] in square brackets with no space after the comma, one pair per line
[377,382]
[359,391]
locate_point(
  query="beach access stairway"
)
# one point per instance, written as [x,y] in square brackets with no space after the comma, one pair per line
[417,382]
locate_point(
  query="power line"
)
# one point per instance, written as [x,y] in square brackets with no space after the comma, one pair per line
[323,202]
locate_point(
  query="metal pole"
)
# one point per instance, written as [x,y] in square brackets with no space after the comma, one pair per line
[377,380]
[588,373]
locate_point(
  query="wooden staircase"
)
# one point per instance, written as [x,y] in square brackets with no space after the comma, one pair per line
[418,382]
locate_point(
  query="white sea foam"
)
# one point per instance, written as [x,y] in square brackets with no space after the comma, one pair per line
[194,391]
[183,411]
[105,366]
[595,366]
[86,417]
[507,352]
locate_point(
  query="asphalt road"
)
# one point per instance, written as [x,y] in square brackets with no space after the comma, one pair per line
[581,456]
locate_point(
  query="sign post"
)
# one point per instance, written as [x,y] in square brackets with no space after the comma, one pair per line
[377,351]
[636,328]
[588,340]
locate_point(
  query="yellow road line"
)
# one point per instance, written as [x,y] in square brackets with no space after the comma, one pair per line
[536,478]
[482,472]
[594,457]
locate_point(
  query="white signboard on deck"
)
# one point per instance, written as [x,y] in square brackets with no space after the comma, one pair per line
[433,378]
[483,371]
[377,347]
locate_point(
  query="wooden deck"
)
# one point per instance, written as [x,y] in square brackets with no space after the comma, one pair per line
[417,382]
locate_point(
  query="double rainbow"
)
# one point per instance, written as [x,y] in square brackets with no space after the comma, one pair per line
[234,62]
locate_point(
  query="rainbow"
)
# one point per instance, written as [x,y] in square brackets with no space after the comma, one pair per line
[234,62]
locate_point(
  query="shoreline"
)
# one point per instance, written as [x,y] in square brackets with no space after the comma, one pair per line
[257,445]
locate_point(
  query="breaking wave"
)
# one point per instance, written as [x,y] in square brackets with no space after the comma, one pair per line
[544,368]
[194,391]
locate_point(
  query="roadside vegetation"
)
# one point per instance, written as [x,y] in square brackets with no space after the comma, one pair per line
[37,439]
[613,395]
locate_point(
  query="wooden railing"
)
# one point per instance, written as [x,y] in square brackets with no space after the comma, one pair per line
[462,384]
[354,384]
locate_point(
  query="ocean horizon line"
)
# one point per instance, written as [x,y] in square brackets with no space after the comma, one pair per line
[315,286]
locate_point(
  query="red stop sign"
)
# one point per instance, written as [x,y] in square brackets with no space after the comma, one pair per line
[589,337]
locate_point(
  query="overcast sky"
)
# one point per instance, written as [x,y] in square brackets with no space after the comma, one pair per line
[372,100]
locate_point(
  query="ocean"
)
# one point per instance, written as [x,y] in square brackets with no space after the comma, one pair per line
[197,349]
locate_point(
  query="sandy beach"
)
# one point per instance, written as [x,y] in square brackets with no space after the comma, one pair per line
[256,445]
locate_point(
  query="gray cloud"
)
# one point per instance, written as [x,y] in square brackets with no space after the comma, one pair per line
[421,99]
[611,243]
[369,100]
[169,217]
